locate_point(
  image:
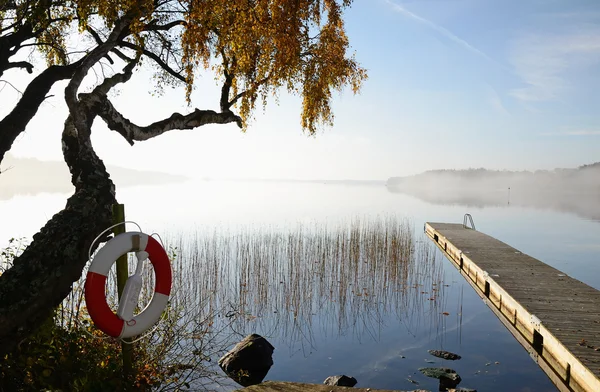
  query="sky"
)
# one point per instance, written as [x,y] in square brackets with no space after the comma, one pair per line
[453,84]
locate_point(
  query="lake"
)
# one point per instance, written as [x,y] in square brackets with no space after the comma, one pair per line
[382,338]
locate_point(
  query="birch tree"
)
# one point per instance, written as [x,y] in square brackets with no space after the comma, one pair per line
[253,47]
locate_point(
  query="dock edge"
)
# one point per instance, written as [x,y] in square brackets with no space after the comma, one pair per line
[561,366]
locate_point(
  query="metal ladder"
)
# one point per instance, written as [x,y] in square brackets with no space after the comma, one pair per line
[468,219]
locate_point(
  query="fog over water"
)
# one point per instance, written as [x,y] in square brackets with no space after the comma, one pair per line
[29,176]
[570,190]
[383,348]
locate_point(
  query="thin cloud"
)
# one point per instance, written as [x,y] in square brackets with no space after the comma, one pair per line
[495,101]
[545,62]
[445,32]
[578,132]
[583,133]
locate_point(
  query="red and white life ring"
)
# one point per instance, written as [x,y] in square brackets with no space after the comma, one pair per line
[95,285]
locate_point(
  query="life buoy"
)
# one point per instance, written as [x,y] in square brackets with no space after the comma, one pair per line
[95,285]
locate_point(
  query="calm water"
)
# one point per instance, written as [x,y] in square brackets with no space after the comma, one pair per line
[384,341]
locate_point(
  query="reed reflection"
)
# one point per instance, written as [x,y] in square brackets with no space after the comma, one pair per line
[313,280]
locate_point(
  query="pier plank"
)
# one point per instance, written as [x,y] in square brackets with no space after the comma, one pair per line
[554,316]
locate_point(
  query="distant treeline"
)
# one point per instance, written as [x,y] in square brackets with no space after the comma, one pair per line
[585,178]
[570,190]
[29,176]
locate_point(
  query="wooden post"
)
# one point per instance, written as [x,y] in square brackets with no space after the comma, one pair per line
[122,275]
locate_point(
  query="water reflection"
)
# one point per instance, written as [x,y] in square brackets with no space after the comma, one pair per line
[314,280]
[31,177]
[366,297]
[582,204]
[380,338]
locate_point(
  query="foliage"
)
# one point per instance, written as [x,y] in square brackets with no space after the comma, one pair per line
[254,47]
[68,353]
[80,359]
[57,358]
[224,286]
[7,255]
[268,44]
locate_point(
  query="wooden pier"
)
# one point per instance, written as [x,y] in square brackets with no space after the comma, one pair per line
[555,318]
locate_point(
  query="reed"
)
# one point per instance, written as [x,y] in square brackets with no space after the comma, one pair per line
[293,282]
[311,278]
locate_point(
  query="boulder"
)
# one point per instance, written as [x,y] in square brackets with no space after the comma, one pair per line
[340,381]
[249,361]
[444,354]
[440,373]
[446,383]
[448,377]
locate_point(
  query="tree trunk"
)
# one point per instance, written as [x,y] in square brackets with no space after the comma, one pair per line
[43,275]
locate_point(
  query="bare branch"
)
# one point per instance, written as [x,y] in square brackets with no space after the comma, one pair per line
[20,64]
[49,22]
[95,35]
[88,62]
[7,169]
[156,59]
[11,42]
[132,132]
[227,83]
[92,58]
[154,27]
[255,86]
[15,122]
[99,41]
[225,102]
[108,83]
[7,83]
[116,51]
[122,55]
